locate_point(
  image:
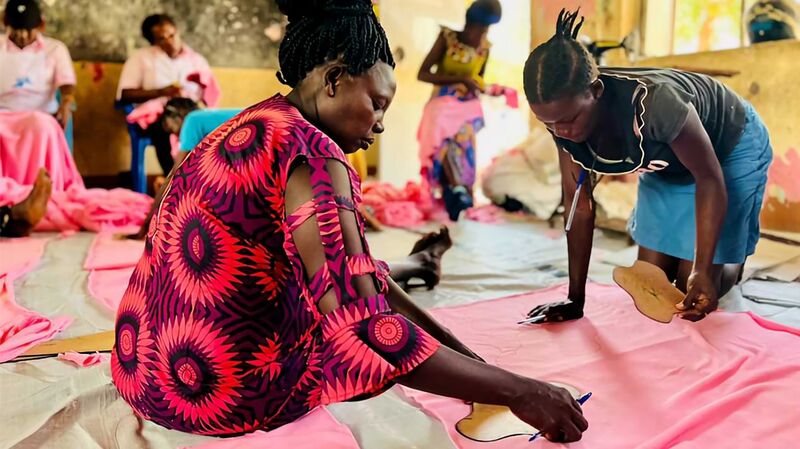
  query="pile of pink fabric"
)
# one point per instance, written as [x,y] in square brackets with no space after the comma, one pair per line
[413,206]
[77,208]
[408,207]
[32,140]
[489,214]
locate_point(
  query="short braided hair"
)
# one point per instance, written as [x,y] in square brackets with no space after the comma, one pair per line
[323,30]
[562,66]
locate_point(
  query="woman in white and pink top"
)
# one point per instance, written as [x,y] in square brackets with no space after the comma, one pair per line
[34,68]
[168,68]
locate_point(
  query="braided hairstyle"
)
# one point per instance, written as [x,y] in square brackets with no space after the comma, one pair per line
[562,66]
[324,30]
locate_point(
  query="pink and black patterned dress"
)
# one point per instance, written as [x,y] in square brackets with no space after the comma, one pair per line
[219,332]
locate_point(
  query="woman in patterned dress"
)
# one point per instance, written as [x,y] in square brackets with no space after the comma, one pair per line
[453,116]
[256,299]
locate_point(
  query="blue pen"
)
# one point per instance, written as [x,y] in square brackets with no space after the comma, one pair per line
[582,400]
[572,209]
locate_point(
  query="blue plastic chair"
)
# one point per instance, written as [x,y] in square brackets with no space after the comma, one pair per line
[139,143]
[68,134]
[69,130]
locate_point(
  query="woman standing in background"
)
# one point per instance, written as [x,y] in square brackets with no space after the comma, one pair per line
[453,116]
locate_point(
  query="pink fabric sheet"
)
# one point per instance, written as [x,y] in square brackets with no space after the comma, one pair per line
[84,360]
[108,252]
[110,263]
[30,140]
[21,329]
[108,286]
[731,380]
[78,208]
[318,429]
[20,256]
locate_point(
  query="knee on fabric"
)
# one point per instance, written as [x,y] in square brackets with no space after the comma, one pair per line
[726,276]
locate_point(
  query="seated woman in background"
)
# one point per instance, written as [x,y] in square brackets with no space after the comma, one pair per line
[166,69]
[34,69]
[256,299]
[453,116]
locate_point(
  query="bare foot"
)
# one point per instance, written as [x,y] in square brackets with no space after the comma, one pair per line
[30,211]
[435,243]
[424,262]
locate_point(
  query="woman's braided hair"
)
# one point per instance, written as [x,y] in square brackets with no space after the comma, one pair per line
[562,66]
[323,30]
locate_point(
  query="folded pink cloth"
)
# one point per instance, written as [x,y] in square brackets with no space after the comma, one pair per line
[730,380]
[78,208]
[84,360]
[400,214]
[22,329]
[108,252]
[31,140]
[147,113]
[318,429]
[486,214]
[108,286]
